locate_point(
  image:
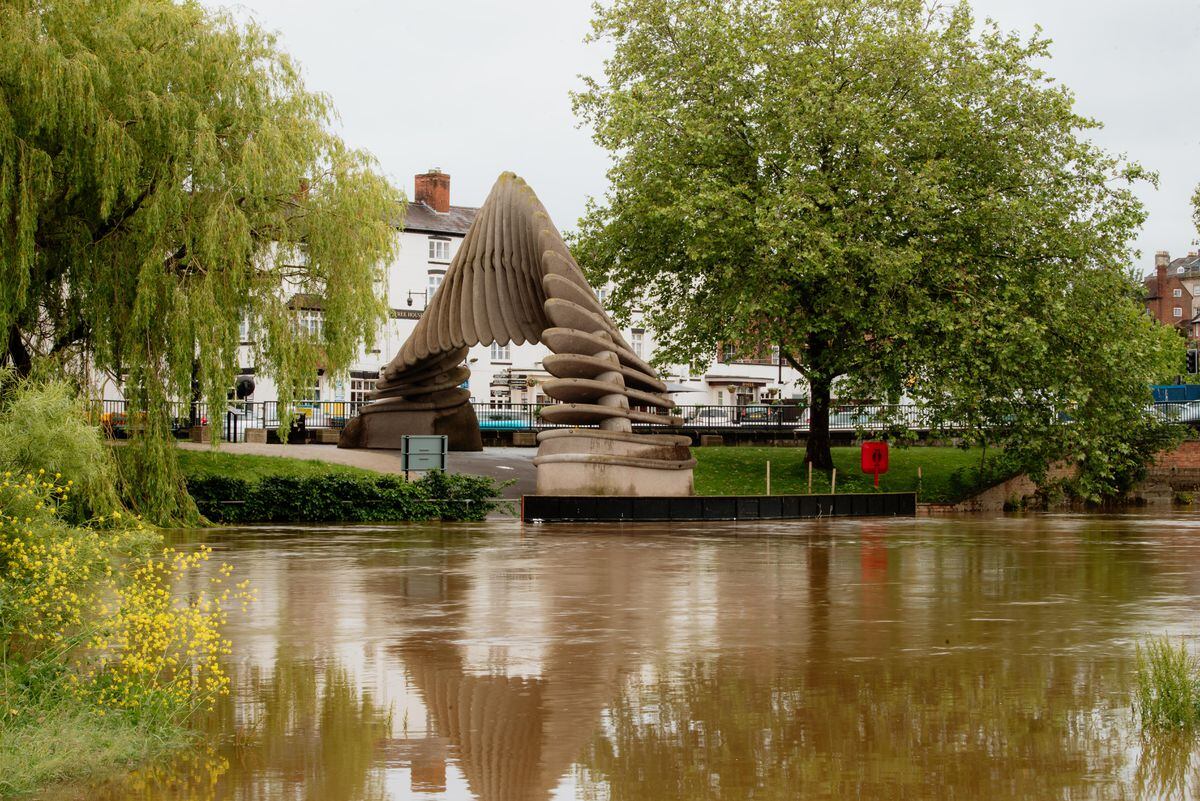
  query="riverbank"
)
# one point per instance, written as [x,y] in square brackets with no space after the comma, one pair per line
[940,475]
[103,661]
[64,740]
[936,474]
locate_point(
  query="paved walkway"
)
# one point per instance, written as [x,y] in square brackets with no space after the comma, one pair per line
[503,464]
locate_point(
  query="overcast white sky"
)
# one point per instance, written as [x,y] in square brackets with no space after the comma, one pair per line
[476,87]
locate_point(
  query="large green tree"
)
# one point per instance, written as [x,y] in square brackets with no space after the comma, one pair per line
[895,195]
[165,174]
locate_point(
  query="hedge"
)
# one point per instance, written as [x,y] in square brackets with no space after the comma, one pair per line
[343,498]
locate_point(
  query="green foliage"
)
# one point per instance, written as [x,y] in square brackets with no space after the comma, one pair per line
[343,498]
[1167,686]
[43,425]
[900,198]
[163,175]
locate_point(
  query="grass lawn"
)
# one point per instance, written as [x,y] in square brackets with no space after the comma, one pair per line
[199,464]
[949,473]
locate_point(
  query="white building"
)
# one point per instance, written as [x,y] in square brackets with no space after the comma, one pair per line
[430,236]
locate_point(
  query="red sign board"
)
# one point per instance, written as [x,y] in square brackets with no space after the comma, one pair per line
[875,459]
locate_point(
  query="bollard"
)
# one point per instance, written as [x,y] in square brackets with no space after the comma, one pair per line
[810,478]
[768,478]
[833,483]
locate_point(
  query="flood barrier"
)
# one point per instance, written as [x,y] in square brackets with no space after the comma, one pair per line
[609,509]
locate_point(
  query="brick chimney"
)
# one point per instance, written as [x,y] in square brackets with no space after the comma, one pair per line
[433,189]
[1162,260]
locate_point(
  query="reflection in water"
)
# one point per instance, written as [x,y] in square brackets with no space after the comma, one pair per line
[297,734]
[971,659]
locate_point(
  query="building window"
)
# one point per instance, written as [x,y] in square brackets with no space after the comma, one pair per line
[439,250]
[1179,293]
[311,393]
[360,388]
[729,354]
[602,295]
[435,280]
[244,329]
[1178,311]
[310,322]
[1179,271]
[501,353]
[636,341]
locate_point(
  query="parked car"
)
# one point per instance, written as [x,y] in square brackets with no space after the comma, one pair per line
[851,417]
[759,415]
[714,417]
[503,420]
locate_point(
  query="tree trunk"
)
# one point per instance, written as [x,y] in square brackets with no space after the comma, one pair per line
[15,349]
[817,451]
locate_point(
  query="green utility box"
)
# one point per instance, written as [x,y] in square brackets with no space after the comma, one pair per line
[423,452]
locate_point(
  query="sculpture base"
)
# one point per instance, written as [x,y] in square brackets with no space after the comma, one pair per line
[574,461]
[383,425]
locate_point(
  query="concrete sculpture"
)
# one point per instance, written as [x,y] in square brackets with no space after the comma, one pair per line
[513,280]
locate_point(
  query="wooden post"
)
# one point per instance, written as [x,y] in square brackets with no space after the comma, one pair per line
[918,480]
[833,483]
[810,478]
[768,478]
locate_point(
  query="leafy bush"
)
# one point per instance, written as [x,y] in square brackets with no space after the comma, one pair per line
[43,425]
[1167,692]
[343,498]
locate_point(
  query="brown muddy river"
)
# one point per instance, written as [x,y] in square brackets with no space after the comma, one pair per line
[948,659]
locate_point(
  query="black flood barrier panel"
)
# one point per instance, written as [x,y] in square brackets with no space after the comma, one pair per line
[619,509]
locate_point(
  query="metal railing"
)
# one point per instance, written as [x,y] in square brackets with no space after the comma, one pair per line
[238,416]
[119,421]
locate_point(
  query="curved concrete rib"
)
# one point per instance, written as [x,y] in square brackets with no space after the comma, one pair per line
[513,280]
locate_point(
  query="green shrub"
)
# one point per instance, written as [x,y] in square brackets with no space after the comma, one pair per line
[343,498]
[43,425]
[1167,691]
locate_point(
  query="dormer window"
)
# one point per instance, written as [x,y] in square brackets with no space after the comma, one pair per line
[1179,271]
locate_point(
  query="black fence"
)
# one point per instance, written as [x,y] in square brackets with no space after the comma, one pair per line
[576,509]
[119,421]
[237,417]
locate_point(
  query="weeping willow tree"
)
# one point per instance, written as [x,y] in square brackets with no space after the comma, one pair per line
[164,174]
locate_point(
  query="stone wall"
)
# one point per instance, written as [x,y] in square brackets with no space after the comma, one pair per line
[1016,491]
[1173,471]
